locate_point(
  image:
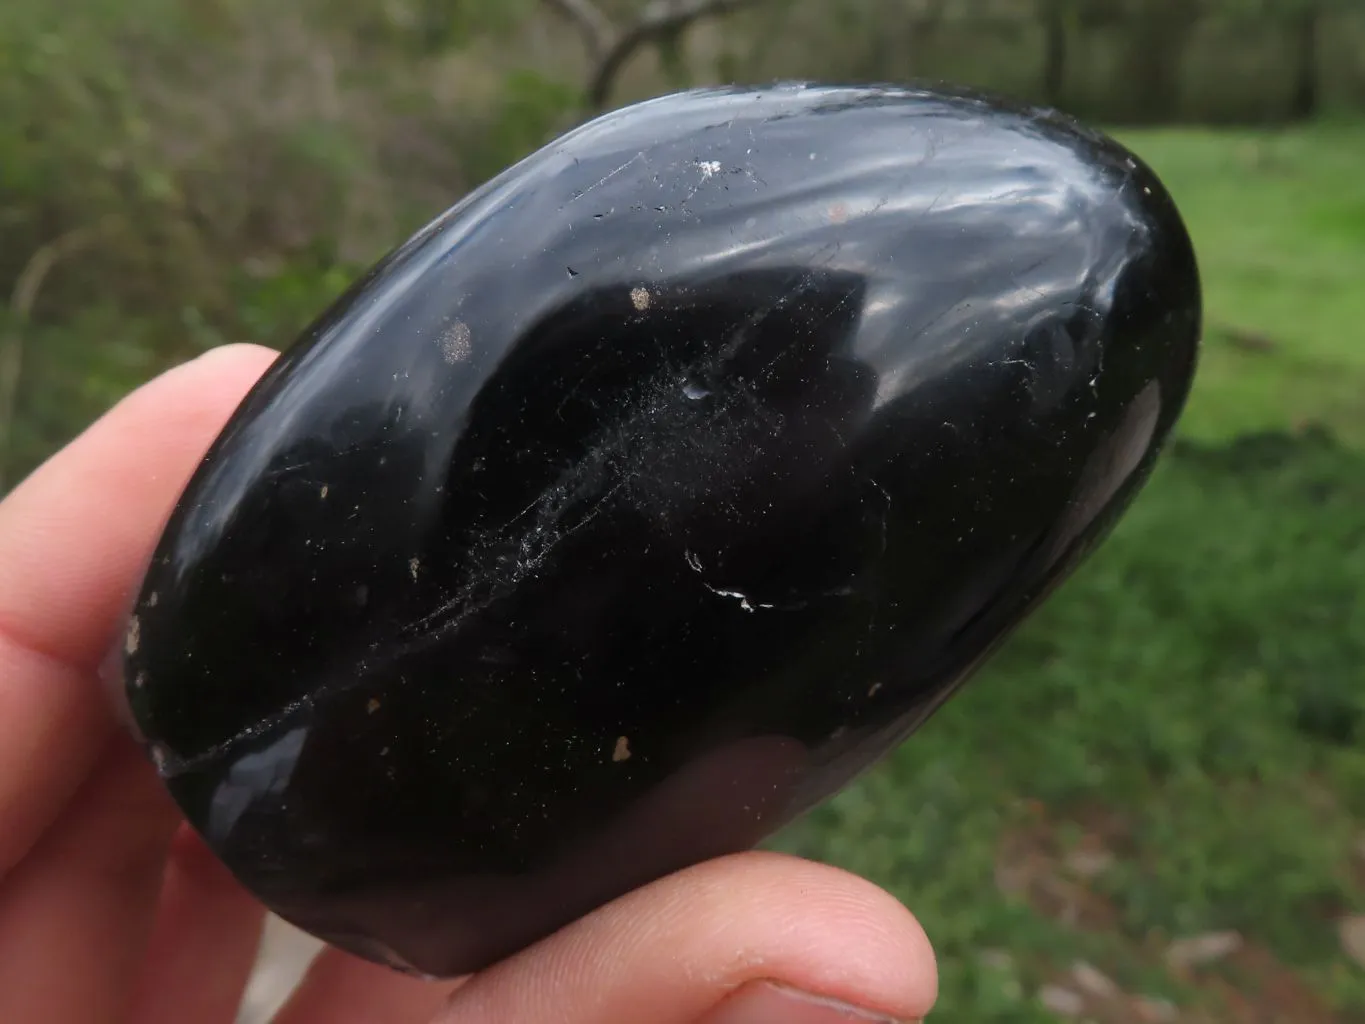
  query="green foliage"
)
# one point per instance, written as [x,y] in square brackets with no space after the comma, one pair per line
[78,145]
[1129,61]
[448,24]
[530,109]
[1280,222]
[226,167]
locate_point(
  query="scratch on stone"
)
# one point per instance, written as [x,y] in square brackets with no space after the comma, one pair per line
[598,184]
[593,513]
[742,598]
[485,588]
[886,512]
[170,766]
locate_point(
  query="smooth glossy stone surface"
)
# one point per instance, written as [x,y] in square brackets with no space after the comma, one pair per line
[639,502]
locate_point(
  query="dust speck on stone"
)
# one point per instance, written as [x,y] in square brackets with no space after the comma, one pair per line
[372,706]
[640,298]
[153,599]
[622,750]
[873,689]
[140,680]
[456,342]
[323,493]
[413,565]
[133,637]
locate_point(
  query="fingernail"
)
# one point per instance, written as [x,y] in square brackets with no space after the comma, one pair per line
[766,1002]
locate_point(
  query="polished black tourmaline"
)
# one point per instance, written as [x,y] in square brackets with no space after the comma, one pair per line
[637,503]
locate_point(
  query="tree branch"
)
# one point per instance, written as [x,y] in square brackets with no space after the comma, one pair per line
[598,33]
[25,294]
[610,48]
[660,18]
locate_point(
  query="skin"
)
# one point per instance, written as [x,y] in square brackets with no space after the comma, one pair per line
[112,910]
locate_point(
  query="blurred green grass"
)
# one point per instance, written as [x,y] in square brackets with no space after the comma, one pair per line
[1279,222]
[1175,744]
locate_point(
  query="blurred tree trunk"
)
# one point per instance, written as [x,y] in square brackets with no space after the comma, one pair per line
[1053,15]
[1303,103]
[924,24]
[673,59]
[1158,36]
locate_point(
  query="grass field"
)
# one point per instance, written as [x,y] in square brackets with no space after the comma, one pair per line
[1151,806]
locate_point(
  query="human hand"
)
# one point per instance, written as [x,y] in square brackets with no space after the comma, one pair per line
[111,909]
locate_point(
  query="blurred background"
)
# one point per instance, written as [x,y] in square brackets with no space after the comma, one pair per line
[1151,806]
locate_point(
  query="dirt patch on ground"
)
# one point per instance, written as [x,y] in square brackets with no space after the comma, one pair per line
[1229,980]
[1033,865]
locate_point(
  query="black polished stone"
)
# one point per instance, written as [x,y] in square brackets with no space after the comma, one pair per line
[648,495]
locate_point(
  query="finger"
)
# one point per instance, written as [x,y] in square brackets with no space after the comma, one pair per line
[341,989]
[77,907]
[203,944]
[73,540]
[75,914]
[282,960]
[761,930]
